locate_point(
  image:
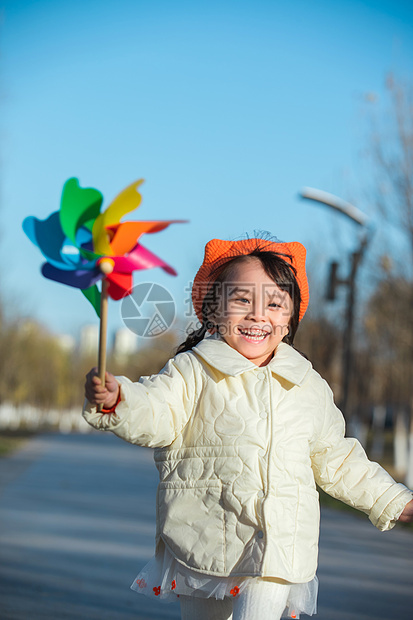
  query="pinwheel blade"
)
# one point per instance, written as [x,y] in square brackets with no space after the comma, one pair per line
[78,206]
[140,258]
[128,200]
[120,285]
[77,278]
[48,236]
[127,234]
[92,294]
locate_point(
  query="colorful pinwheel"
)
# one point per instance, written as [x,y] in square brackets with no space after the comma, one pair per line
[83,246]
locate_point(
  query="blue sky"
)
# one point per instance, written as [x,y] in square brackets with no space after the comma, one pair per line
[226,109]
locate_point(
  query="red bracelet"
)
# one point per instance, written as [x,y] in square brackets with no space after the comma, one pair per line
[113,408]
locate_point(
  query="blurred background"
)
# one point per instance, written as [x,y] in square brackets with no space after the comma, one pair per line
[228,110]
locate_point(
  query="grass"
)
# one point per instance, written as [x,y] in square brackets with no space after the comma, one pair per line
[12,440]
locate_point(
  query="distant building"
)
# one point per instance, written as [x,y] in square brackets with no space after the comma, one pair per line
[125,342]
[66,342]
[89,340]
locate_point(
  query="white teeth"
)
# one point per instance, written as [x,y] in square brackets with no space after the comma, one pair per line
[254,334]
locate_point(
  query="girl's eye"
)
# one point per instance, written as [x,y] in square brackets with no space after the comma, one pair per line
[239,300]
[274,305]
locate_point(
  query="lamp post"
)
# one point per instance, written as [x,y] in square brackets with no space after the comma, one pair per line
[334,281]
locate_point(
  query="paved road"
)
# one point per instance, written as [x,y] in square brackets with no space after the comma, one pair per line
[77,523]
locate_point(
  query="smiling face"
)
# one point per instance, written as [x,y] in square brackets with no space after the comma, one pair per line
[255,313]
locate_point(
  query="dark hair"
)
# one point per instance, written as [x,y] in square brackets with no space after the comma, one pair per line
[275,266]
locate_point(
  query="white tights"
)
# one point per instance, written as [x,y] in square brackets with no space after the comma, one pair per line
[259,600]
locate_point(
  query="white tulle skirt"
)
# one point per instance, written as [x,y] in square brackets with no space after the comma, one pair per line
[165,579]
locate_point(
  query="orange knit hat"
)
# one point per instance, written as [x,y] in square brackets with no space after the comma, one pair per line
[218,252]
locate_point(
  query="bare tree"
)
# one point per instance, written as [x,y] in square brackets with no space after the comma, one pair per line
[392,157]
[389,312]
[390,341]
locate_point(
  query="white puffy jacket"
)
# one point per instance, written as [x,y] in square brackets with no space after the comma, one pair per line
[239,449]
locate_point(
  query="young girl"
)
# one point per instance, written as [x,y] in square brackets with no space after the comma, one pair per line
[243,429]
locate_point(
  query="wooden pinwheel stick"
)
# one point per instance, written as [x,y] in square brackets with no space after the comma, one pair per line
[106,267]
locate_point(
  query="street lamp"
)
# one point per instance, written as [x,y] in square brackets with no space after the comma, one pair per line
[334,281]
[346,208]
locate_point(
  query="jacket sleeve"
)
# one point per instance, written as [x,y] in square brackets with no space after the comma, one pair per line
[153,411]
[342,469]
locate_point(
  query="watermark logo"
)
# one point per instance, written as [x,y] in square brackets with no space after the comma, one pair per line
[149,310]
[235,298]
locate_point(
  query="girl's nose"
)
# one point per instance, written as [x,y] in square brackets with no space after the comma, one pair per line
[257,311]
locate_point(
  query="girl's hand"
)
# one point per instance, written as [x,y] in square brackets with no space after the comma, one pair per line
[407,514]
[99,395]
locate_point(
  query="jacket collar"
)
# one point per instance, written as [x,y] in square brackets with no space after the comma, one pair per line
[286,363]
